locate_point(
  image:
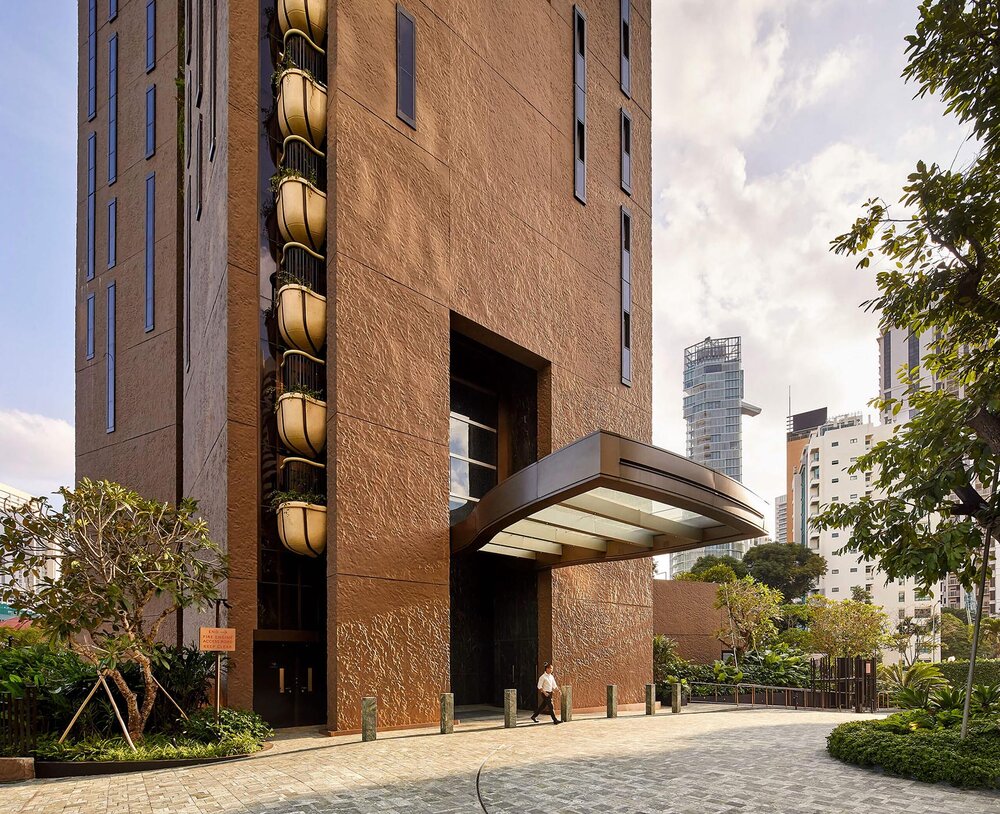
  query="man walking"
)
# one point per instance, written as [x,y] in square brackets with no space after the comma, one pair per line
[546,686]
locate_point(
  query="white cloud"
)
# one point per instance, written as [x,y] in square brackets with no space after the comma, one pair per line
[36,452]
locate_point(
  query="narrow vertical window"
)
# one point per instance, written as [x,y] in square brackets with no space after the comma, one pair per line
[406,67]
[90,326]
[187,280]
[886,360]
[187,31]
[112,233]
[626,327]
[626,152]
[150,248]
[91,201]
[112,9]
[110,358]
[187,121]
[113,109]
[579,105]
[626,35]
[199,59]
[92,60]
[213,50]
[150,121]
[150,35]
[198,171]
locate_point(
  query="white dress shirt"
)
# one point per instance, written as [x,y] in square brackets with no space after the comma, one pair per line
[547,683]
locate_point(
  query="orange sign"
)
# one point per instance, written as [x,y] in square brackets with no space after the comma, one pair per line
[217,639]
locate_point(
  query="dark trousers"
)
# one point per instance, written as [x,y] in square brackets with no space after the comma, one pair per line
[544,705]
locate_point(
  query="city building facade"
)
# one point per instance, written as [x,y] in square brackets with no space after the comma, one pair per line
[388,290]
[781,518]
[714,410]
[11,497]
[822,478]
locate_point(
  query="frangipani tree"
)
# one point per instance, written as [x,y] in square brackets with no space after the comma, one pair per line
[124,565]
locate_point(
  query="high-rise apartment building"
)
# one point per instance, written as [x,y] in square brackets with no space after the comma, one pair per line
[378,295]
[798,428]
[781,518]
[824,477]
[713,410]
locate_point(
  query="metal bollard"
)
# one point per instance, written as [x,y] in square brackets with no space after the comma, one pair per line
[612,701]
[566,703]
[675,698]
[369,708]
[447,713]
[509,709]
[651,699]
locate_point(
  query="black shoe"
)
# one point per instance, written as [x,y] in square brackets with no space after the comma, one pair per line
[556,722]
[534,720]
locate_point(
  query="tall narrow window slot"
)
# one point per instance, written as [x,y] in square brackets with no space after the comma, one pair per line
[112,233]
[112,9]
[91,60]
[150,121]
[214,74]
[199,57]
[150,248]
[579,105]
[187,281]
[886,360]
[626,57]
[150,35]
[90,326]
[113,109]
[109,358]
[187,31]
[406,67]
[626,328]
[91,201]
[626,152]
[198,171]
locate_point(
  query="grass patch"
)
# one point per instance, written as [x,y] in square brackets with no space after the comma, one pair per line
[152,747]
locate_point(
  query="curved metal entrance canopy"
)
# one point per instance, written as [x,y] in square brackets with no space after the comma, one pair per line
[606,497]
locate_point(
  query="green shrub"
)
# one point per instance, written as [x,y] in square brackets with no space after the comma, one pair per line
[152,747]
[232,723]
[956,672]
[902,746]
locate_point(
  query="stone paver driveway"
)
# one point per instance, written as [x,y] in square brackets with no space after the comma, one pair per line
[701,762]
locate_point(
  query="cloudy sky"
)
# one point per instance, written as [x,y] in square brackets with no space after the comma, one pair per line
[773,120]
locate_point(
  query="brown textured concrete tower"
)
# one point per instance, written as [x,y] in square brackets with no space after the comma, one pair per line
[415,264]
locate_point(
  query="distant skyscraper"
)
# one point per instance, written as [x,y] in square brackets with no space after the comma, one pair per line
[713,407]
[781,518]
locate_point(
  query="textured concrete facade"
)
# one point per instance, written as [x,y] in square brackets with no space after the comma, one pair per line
[686,613]
[469,219]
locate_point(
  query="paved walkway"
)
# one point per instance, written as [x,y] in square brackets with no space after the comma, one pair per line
[700,762]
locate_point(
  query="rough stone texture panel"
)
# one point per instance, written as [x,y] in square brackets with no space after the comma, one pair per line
[391,643]
[391,504]
[685,611]
[391,354]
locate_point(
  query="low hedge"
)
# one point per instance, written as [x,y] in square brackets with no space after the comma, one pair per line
[987,671]
[929,755]
[152,747]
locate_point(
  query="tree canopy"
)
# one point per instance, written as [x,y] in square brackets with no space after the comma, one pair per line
[846,628]
[124,564]
[786,567]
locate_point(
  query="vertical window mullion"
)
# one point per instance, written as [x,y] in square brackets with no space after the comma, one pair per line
[92,60]
[150,121]
[113,109]
[626,291]
[626,137]
[150,249]
[150,35]
[406,67]
[110,358]
[112,233]
[579,105]
[90,326]
[91,202]
[626,47]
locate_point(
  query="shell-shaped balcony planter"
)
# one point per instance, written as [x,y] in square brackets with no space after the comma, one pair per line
[301,106]
[302,527]
[302,423]
[302,318]
[304,15]
[301,212]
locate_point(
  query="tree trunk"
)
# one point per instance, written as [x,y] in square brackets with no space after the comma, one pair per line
[149,696]
[131,704]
